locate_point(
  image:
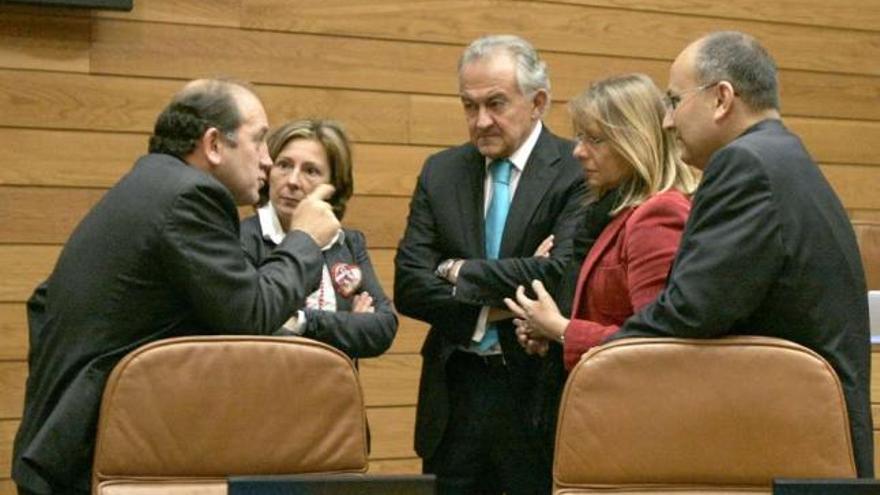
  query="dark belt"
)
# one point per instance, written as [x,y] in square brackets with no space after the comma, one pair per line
[489,361]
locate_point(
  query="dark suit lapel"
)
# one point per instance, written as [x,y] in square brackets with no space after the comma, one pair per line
[469,198]
[541,169]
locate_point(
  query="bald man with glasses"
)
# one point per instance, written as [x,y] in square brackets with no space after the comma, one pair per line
[768,249]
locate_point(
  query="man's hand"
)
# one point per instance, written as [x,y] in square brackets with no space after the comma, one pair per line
[314,216]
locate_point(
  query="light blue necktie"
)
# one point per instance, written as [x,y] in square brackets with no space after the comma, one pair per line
[496,216]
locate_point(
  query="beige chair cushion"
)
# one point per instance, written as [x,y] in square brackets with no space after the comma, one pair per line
[206,407]
[868,236]
[710,416]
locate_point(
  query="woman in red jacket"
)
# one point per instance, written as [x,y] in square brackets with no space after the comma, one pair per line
[625,152]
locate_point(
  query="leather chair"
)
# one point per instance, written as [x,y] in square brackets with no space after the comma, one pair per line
[681,416]
[868,237]
[180,415]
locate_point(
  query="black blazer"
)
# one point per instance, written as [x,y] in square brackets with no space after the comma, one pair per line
[446,221]
[358,335]
[159,256]
[769,250]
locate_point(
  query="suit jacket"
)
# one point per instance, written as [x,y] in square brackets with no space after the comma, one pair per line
[158,256]
[625,270]
[769,250]
[446,221]
[356,334]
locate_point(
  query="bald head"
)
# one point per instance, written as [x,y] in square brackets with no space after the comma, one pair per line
[739,59]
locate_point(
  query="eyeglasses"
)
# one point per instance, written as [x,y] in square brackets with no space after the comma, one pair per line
[672,101]
[584,138]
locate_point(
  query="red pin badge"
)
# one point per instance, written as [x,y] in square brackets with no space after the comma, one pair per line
[346,278]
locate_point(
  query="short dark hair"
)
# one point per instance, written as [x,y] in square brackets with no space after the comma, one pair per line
[741,60]
[198,107]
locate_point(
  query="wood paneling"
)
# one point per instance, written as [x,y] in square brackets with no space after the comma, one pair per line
[268,57]
[13,332]
[124,48]
[567,28]
[23,268]
[7,487]
[852,14]
[410,336]
[390,380]
[7,435]
[37,157]
[392,431]
[44,43]
[195,12]
[382,218]
[390,466]
[12,377]
[84,102]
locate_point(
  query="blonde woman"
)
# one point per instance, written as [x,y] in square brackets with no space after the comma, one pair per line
[626,153]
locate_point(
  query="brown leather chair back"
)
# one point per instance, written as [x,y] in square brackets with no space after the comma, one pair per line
[868,236]
[723,416]
[179,415]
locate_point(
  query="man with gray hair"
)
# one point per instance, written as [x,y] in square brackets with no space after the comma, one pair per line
[483,219]
[159,256]
[768,249]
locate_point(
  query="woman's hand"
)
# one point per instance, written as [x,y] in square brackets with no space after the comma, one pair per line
[541,316]
[531,344]
[362,303]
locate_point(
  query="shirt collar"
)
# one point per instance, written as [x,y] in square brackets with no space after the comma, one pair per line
[272,230]
[522,154]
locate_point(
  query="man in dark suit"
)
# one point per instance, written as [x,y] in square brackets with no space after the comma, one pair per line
[768,249]
[482,425]
[158,257]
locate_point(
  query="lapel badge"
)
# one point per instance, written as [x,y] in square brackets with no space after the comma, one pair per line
[346,278]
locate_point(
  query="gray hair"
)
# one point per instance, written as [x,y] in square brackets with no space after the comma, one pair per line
[741,60]
[531,71]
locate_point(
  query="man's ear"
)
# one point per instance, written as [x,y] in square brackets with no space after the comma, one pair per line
[539,103]
[210,145]
[724,97]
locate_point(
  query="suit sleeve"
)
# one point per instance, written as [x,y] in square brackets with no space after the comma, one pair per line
[357,334]
[487,282]
[204,257]
[418,292]
[731,252]
[652,236]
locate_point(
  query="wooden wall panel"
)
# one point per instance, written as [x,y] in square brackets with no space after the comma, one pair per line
[382,218]
[389,380]
[558,27]
[54,43]
[392,432]
[23,268]
[194,12]
[278,58]
[35,157]
[13,332]
[7,435]
[12,377]
[853,14]
[80,90]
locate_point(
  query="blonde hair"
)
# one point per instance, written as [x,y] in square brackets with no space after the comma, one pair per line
[629,111]
[331,135]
